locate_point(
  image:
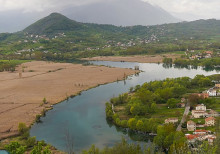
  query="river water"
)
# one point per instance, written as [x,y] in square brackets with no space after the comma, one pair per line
[82,118]
[3,152]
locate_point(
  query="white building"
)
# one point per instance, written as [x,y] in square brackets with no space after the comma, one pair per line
[191,126]
[212,92]
[201,107]
[198,113]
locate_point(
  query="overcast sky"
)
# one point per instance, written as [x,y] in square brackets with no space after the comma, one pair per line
[184,9]
[190,9]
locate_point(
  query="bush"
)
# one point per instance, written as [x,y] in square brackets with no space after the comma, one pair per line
[15,148]
[31,141]
[22,128]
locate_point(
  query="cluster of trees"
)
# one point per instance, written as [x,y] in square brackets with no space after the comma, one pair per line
[208,63]
[27,143]
[142,101]
[137,125]
[38,148]
[9,65]
[167,60]
[174,140]
[168,138]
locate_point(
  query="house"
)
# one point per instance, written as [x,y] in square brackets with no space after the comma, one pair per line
[201,107]
[171,120]
[191,126]
[217,85]
[198,113]
[191,138]
[211,139]
[213,113]
[208,56]
[210,121]
[200,132]
[212,92]
[193,57]
[208,52]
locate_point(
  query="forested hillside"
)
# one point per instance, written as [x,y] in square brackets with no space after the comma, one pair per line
[59,34]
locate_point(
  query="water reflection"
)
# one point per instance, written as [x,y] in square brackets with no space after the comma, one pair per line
[189,67]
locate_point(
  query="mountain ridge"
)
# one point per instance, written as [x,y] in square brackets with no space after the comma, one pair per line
[56,23]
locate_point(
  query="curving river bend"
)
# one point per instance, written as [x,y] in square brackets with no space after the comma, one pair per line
[83,117]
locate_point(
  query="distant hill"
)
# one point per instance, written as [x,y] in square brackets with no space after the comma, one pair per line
[103,39]
[56,23]
[120,13]
[114,12]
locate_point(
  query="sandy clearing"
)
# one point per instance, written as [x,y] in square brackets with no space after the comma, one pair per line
[139,58]
[21,98]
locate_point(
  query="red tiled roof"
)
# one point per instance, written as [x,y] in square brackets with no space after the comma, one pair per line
[191,137]
[201,130]
[210,118]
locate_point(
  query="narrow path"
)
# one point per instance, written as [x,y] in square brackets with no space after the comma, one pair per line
[49,71]
[12,108]
[186,112]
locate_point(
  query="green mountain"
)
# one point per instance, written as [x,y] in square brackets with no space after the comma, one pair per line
[110,39]
[54,23]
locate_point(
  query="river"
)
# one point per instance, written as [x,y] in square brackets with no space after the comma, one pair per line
[82,118]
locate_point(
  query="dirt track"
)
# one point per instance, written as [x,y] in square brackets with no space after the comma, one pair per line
[21,98]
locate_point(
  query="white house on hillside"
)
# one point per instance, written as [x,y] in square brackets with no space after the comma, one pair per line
[212,92]
[201,107]
[199,113]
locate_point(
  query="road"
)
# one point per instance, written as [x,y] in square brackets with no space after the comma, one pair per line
[186,112]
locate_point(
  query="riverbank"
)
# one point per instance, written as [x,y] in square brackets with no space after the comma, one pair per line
[22,94]
[138,58]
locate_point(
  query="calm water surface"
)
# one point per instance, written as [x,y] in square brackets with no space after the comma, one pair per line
[3,152]
[83,117]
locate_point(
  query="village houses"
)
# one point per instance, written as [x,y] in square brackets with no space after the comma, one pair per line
[200,111]
[215,91]
[200,135]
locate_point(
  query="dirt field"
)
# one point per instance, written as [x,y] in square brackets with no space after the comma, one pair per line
[140,59]
[21,97]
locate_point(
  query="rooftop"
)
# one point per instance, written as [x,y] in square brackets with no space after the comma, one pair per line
[209,119]
[200,130]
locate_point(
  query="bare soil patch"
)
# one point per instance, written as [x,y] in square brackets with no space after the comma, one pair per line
[21,97]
